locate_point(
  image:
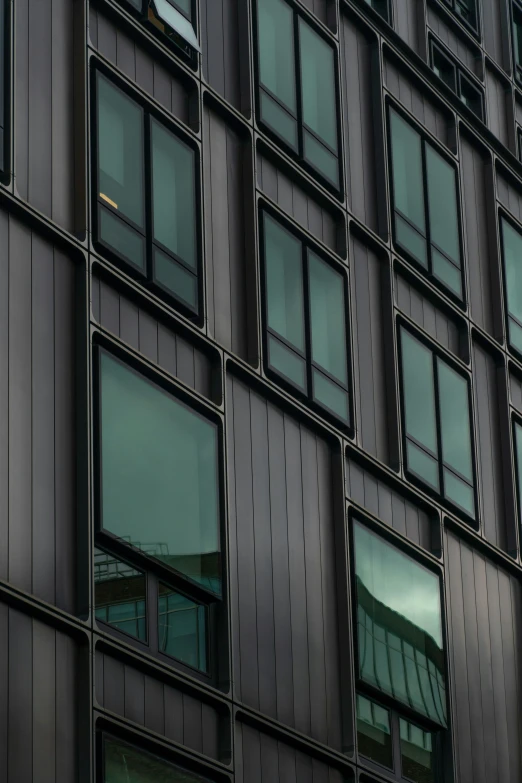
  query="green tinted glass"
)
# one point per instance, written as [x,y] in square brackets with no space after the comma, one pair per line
[173,194]
[286,362]
[284,283]
[323,160]
[120,595]
[175,278]
[122,238]
[408,192]
[318,84]
[120,152]
[280,120]
[159,468]
[124,764]
[331,395]
[373,732]
[416,753]
[276,50]
[399,625]
[446,272]
[328,324]
[442,203]
[512,246]
[419,392]
[182,628]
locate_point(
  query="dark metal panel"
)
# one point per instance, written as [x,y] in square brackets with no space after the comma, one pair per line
[209,731]
[148,336]
[426,314]
[192,726]
[251,747]
[359,122]
[510,620]
[20,700]
[44,703]
[113,685]
[4,396]
[492,25]
[497,97]
[454,42]
[68,675]
[408,15]
[509,196]
[135,695]
[173,714]
[220,48]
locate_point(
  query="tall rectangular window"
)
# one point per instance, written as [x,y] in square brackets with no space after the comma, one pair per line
[512,262]
[426,223]
[124,763]
[437,423]
[146,201]
[296,74]
[305,319]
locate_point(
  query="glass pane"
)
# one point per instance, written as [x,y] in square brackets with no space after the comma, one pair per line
[443,206]
[176,22]
[518,451]
[286,362]
[119,594]
[373,732]
[416,753]
[124,764]
[173,193]
[183,5]
[278,119]
[284,283]
[454,420]
[275,30]
[327,313]
[446,272]
[411,240]
[471,96]
[175,278]
[459,492]
[408,193]
[426,467]
[318,85]
[159,471]
[182,628]
[332,396]
[323,160]
[515,335]
[419,392]
[120,151]
[512,246]
[401,600]
[444,68]
[122,238]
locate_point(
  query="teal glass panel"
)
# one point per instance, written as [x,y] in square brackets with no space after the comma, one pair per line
[419,391]
[123,763]
[121,238]
[286,362]
[182,628]
[374,732]
[318,84]
[173,194]
[284,283]
[175,21]
[278,119]
[411,240]
[120,594]
[422,464]
[446,272]
[416,753]
[185,6]
[515,335]
[328,320]
[408,192]
[174,278]
[120,151]
[518,451]
[442,203]
[454,420]
[275,30]
[459,492]
[321,158]
[332,396]
[159,474]
[512,246]
[399,619]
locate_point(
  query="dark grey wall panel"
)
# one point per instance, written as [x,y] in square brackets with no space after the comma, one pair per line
[488,446]
[492,26]
[149,74]
[439,325]
[37,402]
[497,97]
[369,348]
[475,192]
[358,87]
[414,100]
[406,13]
[485,624]
[318,7]
[39,675]
[135,326]
[225,155]
[156,705]
[261,758]
[293,200]
[220,46]
[387,504]
[282,567]
[454,42]
[43,85]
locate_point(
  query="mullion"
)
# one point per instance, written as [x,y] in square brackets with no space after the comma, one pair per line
[426,204]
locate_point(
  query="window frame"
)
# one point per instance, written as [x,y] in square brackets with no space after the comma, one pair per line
[156,572]
[307,396]
[298,154]
[460,72]
[504,215]
[389,10]
[425,139]
[147,277]
[451,6]
[437,352]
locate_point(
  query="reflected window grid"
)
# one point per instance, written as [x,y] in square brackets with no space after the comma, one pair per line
[457,78]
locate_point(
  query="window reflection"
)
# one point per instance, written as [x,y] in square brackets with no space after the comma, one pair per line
[416,753]
[120,595]
[182,626]
[374,732]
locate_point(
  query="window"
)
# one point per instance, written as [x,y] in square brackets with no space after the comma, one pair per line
[297,85]
[511,241]
[124,763]
[426,222]
[158,507]
[174,19]
[436,424]
[466,11]
[454,76]
[381,6]
[305,320]
[145,208]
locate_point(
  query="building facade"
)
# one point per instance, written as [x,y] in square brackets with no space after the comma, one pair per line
[261,391]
